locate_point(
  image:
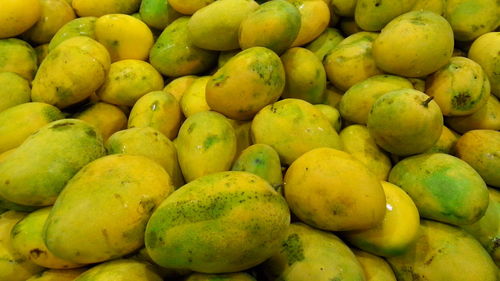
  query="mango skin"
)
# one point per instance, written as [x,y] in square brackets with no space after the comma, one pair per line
[189,7]
[26,239]
[178,86]
[240,276]
[429,38]
[274,25]
[60,83]
[174,55]
[374,15]
[121,270]
[36,172]
[194,100]
[248,82]
[243,135]
[19,57]
[436,6]
[319,191]
[310,253]
[262,160]
[246,223]
[107,118]
[481,150]
[484,50]
[470,19]
[78,27]
[15,90]
[293,127]
[126,188]
[58,275]
[157,13]
[325,42]
[96,8]
[19,122]
[486,118]
[374,267]
[438,254]
[215,27]
[443,187]
[18,16]
[315,17]
[332,114]
[445,143]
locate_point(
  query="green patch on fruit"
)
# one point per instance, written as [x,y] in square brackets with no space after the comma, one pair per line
[293,249]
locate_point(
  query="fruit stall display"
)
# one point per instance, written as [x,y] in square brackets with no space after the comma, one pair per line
[282,140]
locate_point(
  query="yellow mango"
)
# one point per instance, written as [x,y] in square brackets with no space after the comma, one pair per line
[240,276]
[485,118]
[71,72]
[122,269]
[189,7]
[311,254]
[41,52]
[443,187]
[36,172]
[248,82]
[225,56]
[484,50]
[215,27]
[344,8]
[374,267]
[429,41]
[405,122]
[15,90]
[150,143]
[128,80]
[157,13]
[332,114]
[418,84]
[262,160]
[397,232]
[481,150]
[305,76]
[18,16]
[320,190]
[193,100]
[314,19]
[174,54]
[20,121]
[436,6]
[359,99]
[78,27]
[117,193]
[349,26]
[26,239]
[332,96]
[358,142]
[13,267]
[97,8]
[19,57]
[326,42]
[445,143]
[444,252]
[243,135]
[58,275]
[351,61]
[106,118]
[179,86]
[274,25]
[459,88]
[373,15]
[218,223]
[206,144]
[472,18]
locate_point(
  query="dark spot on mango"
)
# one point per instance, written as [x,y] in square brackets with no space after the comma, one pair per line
[191,128]
[462,101]
[114,43]
[62,126]
[219,79]
[209,141]
[378,3]
[152,239]
[90,132]
[292,248]
[63,93]
[147,205]
[7,182]
[429,261]
[35,253]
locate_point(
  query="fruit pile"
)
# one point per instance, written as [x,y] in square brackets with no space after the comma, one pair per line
[282,140]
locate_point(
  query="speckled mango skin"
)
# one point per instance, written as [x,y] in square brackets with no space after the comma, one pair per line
[13,267]
[472,18]
[215,27]
[320,190]
[262,160]
[311,254]
[248,82]
[78,27]
[157,13]
[293,127]
[429,38]
[18,16]
[174,54]
[194,98]
[359,99]
[374,267]
[26,239]
[484,50]
[121,270]
[315,17]
[240,276]
[36,172]
[459,88]
[373,15]
[58,275]
[206,144]
[97,8]
[486,118]
[19,122]
[351,61]
[117,193]
[107,118]
[223,222]
[15,90]
[444,252]
[305,75]
[481,150]
[443,187]
[274,25]
[357,141]
[60,83]
[19,57]
[324,43]
[189,7]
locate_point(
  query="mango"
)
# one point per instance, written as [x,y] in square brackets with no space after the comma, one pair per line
[308,253]
[18,16]
[332,96]
[344,8]
[443,187]
[41,52]
[157,13]
[472,18]
[189,7]
[175,55]
[374,15]
[314,19]
[193,100]
[118,193]
[243,135]
[222,222]
[179,86]
[78,27]
[106,118]
[15,90]
[18,56]
[206,144]
[220,277]
[445,143]
[485,118]
[248,82]
[436,6]
[439,255]
[96,8]
[58,275]
[292,127]
[325,42]
[484,50]
[320,191]
[374,267]
[332,114]
[36,172]
[121,270]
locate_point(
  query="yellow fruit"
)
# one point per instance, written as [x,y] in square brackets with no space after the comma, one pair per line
[157,13]
[193,100]
[78,27]
[121,269]
[53,15]
[328,40]
[445,143]
[315,17]
[220,277]
[472,18]
[374,267]
[106,118]
[18,16]
[189,7]
[332,114]
[97,8]
[374,15]
[19,57]
[484,50]
[58,275]
[179,86]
